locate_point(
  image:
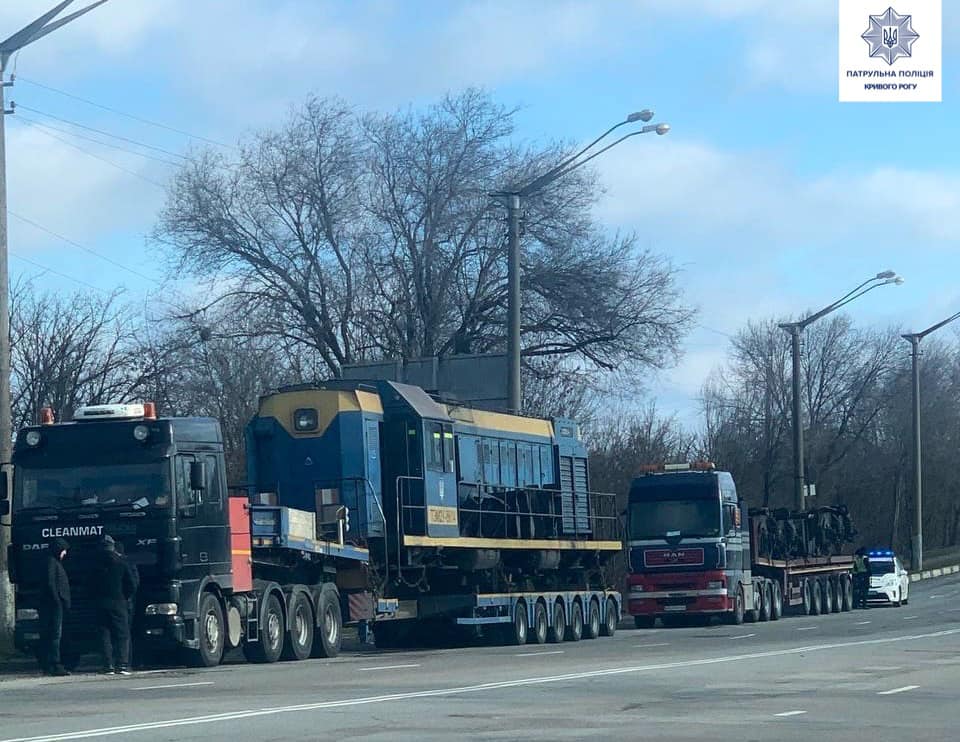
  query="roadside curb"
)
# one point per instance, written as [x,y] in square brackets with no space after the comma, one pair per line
[928,574]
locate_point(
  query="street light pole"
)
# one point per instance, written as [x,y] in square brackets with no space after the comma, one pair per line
[26,35]
[795,328]
[914,339]
[512,200]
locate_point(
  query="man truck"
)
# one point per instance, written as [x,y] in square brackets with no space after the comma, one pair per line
[694,553]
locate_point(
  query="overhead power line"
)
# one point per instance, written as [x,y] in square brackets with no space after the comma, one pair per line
[101,132]
[98,157]
[56,272]
[124,113]
[80,246]
[41,125]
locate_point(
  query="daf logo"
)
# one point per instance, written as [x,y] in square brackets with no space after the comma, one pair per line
[674,556]
[34,547]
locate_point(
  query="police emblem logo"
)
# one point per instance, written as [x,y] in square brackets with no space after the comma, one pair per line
[890,36]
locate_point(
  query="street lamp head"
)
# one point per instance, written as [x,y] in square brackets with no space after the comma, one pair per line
[645,115]
[885,274]
[898,280]
[663,129]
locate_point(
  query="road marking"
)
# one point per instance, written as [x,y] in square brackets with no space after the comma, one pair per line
[932,597]
[878,668]
[904,689]
[658,644]
[808,628]
[862,623]
[462,690]
[909,618]
[172,685]
[742,636]
[385,667]
[791,713]
[538,654]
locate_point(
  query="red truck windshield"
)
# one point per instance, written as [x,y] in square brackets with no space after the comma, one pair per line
[692,518]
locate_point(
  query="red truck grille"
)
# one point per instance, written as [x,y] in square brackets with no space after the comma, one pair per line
[672,557]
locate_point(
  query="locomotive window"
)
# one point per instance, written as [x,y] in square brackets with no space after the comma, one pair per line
[448,449]
[434,447]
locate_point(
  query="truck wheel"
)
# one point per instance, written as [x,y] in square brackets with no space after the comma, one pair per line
[299,639]
[515,633]
[644,622]
[816,595]
[611,619]
[837,585]
[575,629]
[807,593]
[329,631]
[591,629]
[558,624]
[776,606]
[767,598]
[737,615]
[210,633]
[847,593]
[540,623]
[827,606]
[270,644]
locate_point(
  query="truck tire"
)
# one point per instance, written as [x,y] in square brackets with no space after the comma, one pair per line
[644,622]
[837,585]
[610,619]
[806,590]
[766,591]
[736,616]
[558,624]
[329,631]
[211,628]
[269,646]
[591,629]
[847,593]
[298,643]
[575,630]
[827,589]
[816,595]
[540,623]
[515,633]
[776,606]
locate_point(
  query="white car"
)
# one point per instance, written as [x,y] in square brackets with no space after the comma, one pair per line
[889,581]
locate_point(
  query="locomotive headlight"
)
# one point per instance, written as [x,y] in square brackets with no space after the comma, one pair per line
[33,438]
[141,433]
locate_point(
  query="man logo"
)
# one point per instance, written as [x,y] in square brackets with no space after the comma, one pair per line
[890,36]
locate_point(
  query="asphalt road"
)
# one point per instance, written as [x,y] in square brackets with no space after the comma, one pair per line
[880,674]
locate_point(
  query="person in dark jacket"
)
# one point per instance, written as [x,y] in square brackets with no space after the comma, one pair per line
[132,600]
[112,589]
[54,604]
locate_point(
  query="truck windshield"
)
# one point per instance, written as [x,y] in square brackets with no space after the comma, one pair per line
[136,485]
[654,519]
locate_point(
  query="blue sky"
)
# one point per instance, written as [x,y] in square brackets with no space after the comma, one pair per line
[771,196]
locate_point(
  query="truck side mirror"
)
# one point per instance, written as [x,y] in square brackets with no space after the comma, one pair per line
[198,475]
[5,487]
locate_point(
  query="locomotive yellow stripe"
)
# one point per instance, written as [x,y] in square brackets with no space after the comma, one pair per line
[513,543]
[499,422]
[327,402]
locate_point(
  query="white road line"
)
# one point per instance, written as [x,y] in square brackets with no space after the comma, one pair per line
[791,713]
[862,623]
[658,644]
[384,667]
[808,628]
[172,685]
[932,597]
[538,654]
[151,672]
[462,690]
[904,689]
[909,618]
[881,668]
[742,636]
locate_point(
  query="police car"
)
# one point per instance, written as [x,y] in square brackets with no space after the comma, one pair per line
[889,581]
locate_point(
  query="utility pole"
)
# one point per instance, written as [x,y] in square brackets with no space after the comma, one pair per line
[914,339]
[511,199]
[26,35]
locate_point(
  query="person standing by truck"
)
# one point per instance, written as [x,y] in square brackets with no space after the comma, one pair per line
[113,587]
[132,600]
[54,603]
[861,578]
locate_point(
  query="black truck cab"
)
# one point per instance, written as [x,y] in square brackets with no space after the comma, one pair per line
[157,486]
